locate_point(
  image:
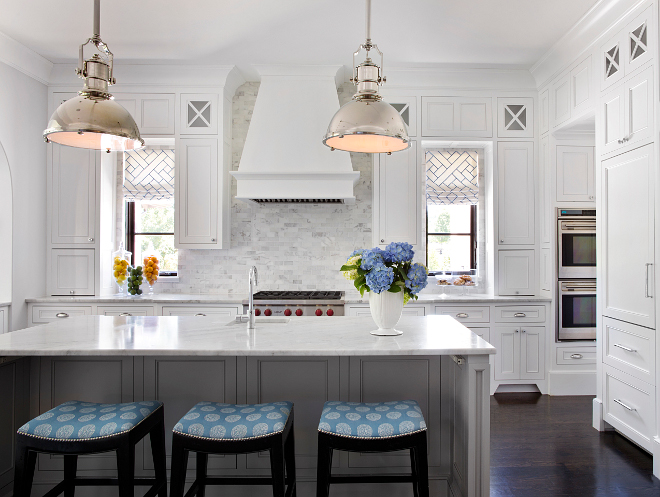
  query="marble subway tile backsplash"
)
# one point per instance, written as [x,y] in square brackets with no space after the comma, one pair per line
[294,246]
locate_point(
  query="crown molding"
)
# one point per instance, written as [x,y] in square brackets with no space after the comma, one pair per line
[25,60]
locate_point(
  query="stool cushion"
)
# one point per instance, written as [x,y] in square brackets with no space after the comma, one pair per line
[76,420]
[217,420]
[371,419]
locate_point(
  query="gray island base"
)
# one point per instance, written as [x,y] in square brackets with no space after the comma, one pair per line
[307,360]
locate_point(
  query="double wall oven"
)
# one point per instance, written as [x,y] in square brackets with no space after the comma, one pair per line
[576,238]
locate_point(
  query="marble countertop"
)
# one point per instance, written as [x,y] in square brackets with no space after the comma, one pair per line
[430,298]
[213,336]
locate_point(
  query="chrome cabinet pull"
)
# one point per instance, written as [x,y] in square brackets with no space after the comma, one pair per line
[462,315]
[125,314]
[624,405]
[646,287]
[576,356]
[200,314]
[627,349]
[61,315]
[520,315]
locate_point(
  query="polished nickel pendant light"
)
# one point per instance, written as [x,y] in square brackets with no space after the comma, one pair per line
[366,123]
[92,119]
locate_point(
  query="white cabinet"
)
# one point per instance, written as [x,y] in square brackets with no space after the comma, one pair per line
[72,272]
[515,117]
[516,272]
[515,195]
[457,116]
[4,319]
[545,191]
[575,174]
[153,113]
[199,114]
[613,120]
[397,193]
[561,99]
[73,195]
[199,185]
[546,270]
[544,111]
[124,310]
[224,312]
[628,244]
[520,352]
[582,93]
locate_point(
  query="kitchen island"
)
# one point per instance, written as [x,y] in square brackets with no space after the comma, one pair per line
[183,360]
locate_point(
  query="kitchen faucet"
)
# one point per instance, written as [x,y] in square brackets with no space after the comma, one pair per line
[252,282]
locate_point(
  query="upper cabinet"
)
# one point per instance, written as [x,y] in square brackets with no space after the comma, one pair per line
[199,114]
[407,108]
[457,116]
[397,191]
[544,111]
[561,99]
[575,174]
[515,193]
[515,117]
[572,93]
[153,113]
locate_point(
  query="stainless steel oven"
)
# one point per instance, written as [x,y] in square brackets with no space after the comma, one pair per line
[576,239]
[577,310]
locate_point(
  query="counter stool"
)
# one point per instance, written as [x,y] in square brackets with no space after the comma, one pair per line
[372,427]
[219,428]
[78,428]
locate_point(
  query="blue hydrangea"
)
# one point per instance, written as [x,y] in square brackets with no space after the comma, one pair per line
[356,252]
[380,278]
[398,252]
[371,258]
[417,278]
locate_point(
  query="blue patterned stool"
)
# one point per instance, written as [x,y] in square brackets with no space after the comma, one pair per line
[78,428]
[219,428]
[372,427]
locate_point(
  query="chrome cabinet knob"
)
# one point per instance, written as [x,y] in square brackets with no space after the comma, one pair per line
[382,240]
[213,239]
[90,239]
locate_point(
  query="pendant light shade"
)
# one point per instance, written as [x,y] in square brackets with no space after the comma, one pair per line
[366,123]
[92,119]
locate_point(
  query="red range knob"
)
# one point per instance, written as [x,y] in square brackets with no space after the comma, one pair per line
[298,312]
[287,312]
[257,312]
[318,312]
[268,312]
[330,312]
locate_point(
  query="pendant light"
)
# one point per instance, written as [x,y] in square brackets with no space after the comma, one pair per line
[366,123]
[92,119]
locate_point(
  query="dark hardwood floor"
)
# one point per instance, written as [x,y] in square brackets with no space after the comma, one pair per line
[546,446]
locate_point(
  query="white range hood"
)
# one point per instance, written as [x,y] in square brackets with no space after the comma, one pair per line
[284,159]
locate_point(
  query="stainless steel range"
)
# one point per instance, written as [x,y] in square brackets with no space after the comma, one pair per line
[297,303]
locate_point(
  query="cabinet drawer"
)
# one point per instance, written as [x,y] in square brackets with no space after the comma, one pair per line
[42,314]
[576,355]
[520,314]
[629,406]
[481,332]
[465,314]
[128,310]
[629,348]
[413,310]
[222,312]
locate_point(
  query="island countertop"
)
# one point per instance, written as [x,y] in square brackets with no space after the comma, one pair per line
[213,336]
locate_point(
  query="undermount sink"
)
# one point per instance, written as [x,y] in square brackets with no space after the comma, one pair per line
[263,320]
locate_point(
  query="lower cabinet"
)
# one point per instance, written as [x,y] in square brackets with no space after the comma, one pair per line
[4,320]
[516,272]
[72,272]
[520,352]
[15,388]
[229,312]
[364,310]
[124,311]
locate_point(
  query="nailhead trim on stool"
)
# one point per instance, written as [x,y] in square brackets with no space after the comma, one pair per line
[78,428]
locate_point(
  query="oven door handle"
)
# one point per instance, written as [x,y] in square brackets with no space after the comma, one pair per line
[579,227]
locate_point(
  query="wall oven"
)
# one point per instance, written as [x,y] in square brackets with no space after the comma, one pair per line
[577,310]
[576,239]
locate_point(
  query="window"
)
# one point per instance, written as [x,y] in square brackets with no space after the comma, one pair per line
[452,195]
[148,186]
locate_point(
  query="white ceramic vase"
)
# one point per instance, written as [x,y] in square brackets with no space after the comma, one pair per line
[386,308]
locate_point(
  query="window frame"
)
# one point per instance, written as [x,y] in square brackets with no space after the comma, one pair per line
[130,235]
[472,234]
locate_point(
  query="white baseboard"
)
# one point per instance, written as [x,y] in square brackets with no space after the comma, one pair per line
[511,388]
[572,382]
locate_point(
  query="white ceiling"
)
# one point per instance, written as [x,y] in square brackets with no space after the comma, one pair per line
[243,32]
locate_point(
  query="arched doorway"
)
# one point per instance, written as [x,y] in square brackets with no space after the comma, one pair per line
[6,239]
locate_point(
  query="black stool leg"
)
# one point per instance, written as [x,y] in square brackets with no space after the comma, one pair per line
[290,458]
[422,467]
[202,464]
[70,469]
[157,439]
[277,466]
[323,469]
[126,469]
[179,467]
[24,470]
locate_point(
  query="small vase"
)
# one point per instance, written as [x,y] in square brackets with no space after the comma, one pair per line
[386,308]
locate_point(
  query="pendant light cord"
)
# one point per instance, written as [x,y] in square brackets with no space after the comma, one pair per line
[368,23]
[97,19]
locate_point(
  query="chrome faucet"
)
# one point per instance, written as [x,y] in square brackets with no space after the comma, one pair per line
[252,282]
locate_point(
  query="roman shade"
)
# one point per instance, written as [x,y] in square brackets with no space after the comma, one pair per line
[149,174]
[452,177]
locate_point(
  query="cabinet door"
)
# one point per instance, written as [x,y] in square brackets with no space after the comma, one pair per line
[157,114]
[544,111]
[72,272]
[228,312]
[575,174]
[73,195]
[627,241]
[516,272]
[197,192]
[545,190]
[506,339]
[582,96]
[515,206]
[4,320]
[638,108]
[199,114]
[639,34]
[396,209]
[613,120]
[125,310]
[561,99]
[481,332]
[546,270]
[532,353]
[612,62]
[457,116]
[515,117]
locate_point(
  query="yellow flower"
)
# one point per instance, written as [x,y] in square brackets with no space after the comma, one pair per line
[352,274]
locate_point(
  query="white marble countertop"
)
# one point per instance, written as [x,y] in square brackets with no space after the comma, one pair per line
[212,336]
[430,298]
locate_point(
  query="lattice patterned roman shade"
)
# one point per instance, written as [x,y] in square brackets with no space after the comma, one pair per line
[148,174]
[452,177]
